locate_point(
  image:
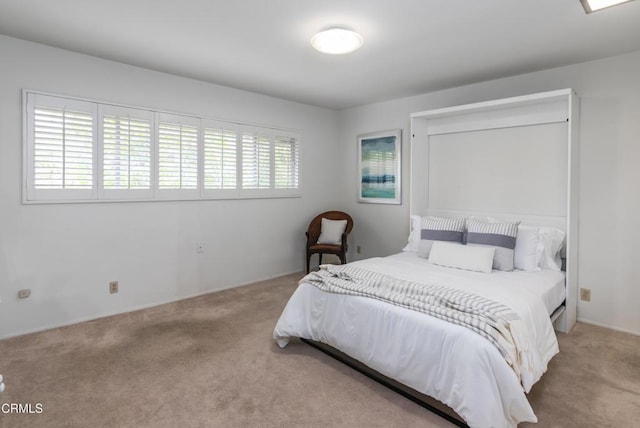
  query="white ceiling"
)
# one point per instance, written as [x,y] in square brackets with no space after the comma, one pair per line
[411,46]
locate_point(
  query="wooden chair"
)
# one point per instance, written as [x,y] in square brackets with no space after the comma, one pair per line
[313,233]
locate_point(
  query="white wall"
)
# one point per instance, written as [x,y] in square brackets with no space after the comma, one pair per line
[66,254]
[609,90]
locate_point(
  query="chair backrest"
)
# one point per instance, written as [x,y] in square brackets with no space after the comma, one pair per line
[314,227]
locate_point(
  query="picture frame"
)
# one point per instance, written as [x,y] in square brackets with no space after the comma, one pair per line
[380,167]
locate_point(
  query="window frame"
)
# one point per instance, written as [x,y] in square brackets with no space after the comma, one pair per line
[53,195]
[98,194]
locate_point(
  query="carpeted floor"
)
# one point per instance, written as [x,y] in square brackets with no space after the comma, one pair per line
[210,362]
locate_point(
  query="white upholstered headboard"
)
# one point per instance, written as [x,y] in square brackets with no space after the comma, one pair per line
[512,159]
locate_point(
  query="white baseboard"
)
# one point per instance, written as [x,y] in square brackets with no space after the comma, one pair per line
[610,327]
[139,307]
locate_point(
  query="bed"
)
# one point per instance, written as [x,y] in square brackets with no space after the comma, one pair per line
[448,362]
[514,159]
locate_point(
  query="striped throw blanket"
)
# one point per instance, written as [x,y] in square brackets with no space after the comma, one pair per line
[492,320]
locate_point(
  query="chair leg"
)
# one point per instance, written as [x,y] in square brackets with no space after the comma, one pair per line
[320,260]
[308,260]
[343,258]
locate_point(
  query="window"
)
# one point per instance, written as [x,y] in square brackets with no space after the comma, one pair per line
[286,160]
[78,150]
[178,153]
[126,152]
[62,148]
[220,156]
[256,160]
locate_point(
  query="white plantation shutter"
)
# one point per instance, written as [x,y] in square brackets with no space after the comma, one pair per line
[286,162]
[256,160]
[251,161]
[177,152]
[126,152]
[79,150]
[220,156]
[61,156]
[63,149]
[264,161]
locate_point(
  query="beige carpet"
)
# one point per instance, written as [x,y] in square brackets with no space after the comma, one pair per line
[210,362]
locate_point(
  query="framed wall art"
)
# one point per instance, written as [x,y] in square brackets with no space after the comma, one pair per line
[379,173]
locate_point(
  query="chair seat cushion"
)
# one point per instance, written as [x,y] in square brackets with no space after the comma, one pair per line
[324,247]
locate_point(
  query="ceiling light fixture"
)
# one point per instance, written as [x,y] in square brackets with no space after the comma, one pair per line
[595,5]
[337,41]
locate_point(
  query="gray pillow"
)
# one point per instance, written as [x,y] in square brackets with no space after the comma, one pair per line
[502,236]
[439,229]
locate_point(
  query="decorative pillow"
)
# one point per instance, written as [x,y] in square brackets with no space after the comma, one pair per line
[552,240]
[502,236]
[481,218]
[528,251]
[439,229]
[331,231]
[414,234]
[449,254]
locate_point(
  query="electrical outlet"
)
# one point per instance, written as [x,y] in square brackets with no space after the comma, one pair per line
[585,294]
[23,294]
[358,249]
[113,287]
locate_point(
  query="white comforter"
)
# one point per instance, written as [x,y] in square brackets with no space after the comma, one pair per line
[443,360]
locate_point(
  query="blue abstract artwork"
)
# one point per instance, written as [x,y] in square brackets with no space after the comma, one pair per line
[379,168]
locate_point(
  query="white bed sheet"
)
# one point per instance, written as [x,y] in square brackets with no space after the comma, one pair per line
[549,284]
[443,360]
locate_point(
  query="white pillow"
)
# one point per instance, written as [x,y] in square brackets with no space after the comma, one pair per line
[331,231]
[414,234]
[478,259]
[552,240]
[528,251]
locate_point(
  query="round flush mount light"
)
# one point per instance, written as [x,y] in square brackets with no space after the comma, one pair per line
[336,41]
